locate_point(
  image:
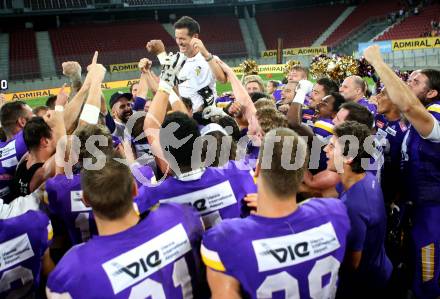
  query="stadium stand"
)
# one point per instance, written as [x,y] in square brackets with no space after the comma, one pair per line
[222,35]
[296,27]
[49,4]
[413,26]
[157,2]
[362,14]
[119,42]
[23,55]
[116,42]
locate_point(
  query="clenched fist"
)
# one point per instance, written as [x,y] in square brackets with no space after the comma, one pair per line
[71,68]
[144,65]
[198,46]
[372,54]
[155,46]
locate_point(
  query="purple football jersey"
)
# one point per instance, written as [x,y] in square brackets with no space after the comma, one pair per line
[10,154]
[370,106]
[308,115]
[421,164]
[217,193]
[390,135]
[65,201]
[297,256]
[323,130]
[157,258]
[366,209]
[23,241]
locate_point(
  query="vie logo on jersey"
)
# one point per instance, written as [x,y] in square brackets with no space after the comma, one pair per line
[135,265]
[15,251]
[8,150]
[207,200]
[284,251]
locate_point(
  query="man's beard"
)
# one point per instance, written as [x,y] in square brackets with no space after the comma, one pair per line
[124,117]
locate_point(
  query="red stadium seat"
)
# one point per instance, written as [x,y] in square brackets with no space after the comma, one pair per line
[222,35]
[413,26]
[362,13]
[23,55]
[298,28]
[116,42]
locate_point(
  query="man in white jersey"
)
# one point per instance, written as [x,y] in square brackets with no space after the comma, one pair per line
[197,78]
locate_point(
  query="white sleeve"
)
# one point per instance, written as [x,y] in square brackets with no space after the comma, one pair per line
[20,205]
[434,136]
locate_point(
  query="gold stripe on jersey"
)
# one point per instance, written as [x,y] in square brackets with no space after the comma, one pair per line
[428,262]
[434,108]
[325,126]
[49,231]
[212,259]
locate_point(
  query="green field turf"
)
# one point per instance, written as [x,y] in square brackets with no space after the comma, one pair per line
[220,89]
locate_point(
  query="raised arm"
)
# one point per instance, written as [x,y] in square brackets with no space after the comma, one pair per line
[400,93]
[240,93]
[92,107]
[217,71]
[156,113]
[294,117]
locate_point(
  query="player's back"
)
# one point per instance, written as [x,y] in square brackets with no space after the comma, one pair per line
[297,256]
[11,152]
[216,193]
[158,257]
[23,241]
[65,201]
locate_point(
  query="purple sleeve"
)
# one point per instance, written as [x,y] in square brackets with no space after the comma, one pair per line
[51,195]
[110,123]
[356,236]
[46,231]
[139,104]
[20,146]
[141,173]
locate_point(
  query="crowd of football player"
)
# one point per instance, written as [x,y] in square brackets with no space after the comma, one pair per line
[190,194]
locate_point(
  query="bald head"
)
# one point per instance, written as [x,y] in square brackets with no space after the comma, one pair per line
[353,88]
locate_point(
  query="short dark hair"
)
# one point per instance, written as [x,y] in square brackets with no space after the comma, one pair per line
[188,103]
[275,83]
[51,102]
[226,121]
[188,23]
[186,127]
[38,109]
[361,132]
[339,100]
[359,113]
[433,80]
[108,203]
[255,96]
[328,85]
[138,128]
[35,129]
[219,160]
[10,113]
[282,182]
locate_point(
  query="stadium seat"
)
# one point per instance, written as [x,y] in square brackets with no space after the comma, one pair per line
[222,35]
[23,55]
[362,14]
[116,42]
[297,28]
[413,26]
